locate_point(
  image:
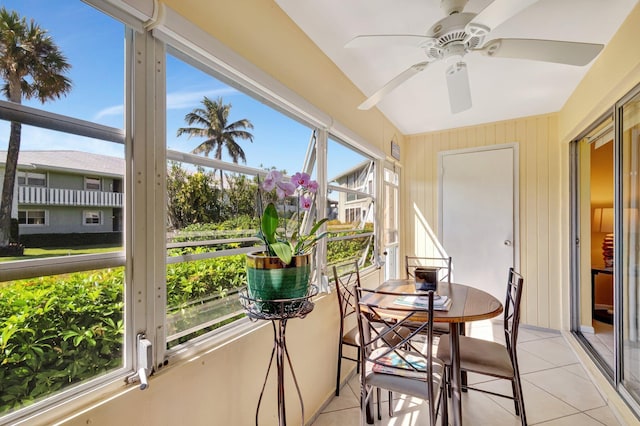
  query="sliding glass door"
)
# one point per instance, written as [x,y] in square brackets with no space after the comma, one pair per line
[628,116]
[606,255]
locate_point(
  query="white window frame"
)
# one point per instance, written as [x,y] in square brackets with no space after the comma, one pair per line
[28,211]
[27,177]
[91,181]
[73,397]
[145,97]
[87,214]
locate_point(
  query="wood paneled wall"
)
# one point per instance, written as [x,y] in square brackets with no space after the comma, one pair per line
[541,183]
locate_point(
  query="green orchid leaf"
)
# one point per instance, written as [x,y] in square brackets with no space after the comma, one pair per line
[283,251]
[317,226]
[270,223]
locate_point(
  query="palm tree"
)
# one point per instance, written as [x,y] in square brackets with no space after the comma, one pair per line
[211,121]
[32,66]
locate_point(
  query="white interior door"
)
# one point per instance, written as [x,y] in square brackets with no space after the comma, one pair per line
[478,207]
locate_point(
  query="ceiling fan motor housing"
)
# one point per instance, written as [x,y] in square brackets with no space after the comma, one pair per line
[449,37]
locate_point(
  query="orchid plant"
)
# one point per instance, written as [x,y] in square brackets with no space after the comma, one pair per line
[277,241]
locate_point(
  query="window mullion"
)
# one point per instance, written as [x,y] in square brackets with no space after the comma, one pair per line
[321,206]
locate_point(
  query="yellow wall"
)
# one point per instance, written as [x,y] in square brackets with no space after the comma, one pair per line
[540,201]
[544,174]
[613,74]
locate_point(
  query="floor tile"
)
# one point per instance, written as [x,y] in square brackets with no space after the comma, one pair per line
[576,391]
[553,350]
[540,405]
[604,415]
[557,390]
[573,420]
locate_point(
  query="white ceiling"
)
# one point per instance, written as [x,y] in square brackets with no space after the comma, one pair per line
[500,88]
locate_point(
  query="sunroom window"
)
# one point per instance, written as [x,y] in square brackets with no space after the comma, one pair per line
[61,314]
[214,168]
[351,197]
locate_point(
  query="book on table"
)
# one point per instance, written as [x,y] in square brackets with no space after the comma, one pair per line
[411,366]
[440,302]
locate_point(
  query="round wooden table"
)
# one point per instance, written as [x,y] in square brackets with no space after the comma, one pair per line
[468,304]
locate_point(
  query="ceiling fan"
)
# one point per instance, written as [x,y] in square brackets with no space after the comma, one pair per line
[460,33]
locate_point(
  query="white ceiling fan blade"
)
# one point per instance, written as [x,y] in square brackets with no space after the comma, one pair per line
[458,85]
[391,85]
[498,12]
[561,52]
[388,40]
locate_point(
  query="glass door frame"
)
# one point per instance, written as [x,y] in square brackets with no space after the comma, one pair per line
[614,375]
[575,228]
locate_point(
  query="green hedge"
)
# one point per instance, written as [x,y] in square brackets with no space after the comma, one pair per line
[56,331]
[59,330]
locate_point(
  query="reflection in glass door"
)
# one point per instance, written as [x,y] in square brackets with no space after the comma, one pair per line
[628,115]
[595,195]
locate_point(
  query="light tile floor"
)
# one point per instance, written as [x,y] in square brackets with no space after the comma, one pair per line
[556,388]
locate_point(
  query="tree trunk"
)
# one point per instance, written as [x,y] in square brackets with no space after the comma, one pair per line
[10,173]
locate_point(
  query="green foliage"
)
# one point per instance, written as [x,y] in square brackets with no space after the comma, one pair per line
[56,331]
[196,198]
[193,197]
[341,250]
[190,282]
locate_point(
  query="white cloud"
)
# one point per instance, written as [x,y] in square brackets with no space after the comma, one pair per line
[178,100]
[117,110]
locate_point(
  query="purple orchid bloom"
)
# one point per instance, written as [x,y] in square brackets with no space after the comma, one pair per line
[301,179]
[305,203]
[271,180]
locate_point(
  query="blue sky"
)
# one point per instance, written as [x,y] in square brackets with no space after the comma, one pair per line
[94,43]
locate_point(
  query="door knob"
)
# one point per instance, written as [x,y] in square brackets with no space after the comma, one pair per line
[507,242]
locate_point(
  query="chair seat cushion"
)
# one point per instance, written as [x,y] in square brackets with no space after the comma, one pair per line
[479,356]
[407,382]
[351,337]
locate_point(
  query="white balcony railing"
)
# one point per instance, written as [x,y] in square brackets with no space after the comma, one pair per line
[35,195]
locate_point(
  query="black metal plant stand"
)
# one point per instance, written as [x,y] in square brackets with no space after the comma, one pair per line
[278,312]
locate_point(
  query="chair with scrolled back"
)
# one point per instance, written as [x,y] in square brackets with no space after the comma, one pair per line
[390,361]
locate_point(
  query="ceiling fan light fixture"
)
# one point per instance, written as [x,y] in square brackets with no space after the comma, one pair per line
[458,87]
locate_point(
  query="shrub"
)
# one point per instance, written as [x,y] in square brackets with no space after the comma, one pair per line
[56,331]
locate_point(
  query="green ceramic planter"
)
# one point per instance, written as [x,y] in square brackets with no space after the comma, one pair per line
[269,279]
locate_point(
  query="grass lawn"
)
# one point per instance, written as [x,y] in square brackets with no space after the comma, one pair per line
[38,253]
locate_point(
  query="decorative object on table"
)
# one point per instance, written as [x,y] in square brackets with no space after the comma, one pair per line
[440,303]
[603,223]
[280,312]
[426,278]
[444,275]
[442,263]
[282,269]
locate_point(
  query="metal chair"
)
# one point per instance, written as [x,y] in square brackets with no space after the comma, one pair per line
[345,286]
[394,363]
[491,358]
